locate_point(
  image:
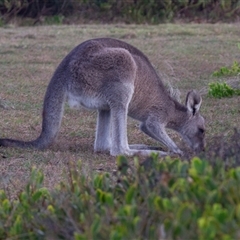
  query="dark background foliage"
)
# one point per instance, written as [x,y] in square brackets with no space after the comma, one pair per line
[137,11]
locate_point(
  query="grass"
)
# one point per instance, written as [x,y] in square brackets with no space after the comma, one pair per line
[185,55]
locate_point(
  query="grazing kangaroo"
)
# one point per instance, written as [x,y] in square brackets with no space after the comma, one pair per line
[118,80]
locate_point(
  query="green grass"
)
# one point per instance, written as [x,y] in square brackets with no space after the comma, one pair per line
[185,55]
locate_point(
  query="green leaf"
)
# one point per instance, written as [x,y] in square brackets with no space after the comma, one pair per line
[220,213]
[6,205]
[17,226]
[130,194]
[158,203]
[116,234]
[36,196]
[184,214]
[129,210]
[109,199]
[37,177]
[23,197]
[122,164]
[98,181]
[235,173]
[2,195]
[51,209]
[207,228]
[78,236]
[167,204]
[197,167]
[237,211]
[96,225]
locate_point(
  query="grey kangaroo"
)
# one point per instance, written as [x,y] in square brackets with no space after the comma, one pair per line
[118,80]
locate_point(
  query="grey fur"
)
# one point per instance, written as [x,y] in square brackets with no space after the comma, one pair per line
[117,79]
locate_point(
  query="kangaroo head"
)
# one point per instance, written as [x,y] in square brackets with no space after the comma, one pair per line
[193,129]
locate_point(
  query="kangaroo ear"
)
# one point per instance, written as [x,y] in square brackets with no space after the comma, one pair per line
[193,101]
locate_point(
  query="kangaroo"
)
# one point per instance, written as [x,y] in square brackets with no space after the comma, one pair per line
[118,80]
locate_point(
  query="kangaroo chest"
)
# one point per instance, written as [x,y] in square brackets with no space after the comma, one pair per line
[89,102]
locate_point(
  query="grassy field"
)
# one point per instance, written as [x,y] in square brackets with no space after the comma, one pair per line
[184,55]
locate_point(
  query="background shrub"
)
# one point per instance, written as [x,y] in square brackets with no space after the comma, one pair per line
[138,11]
[220,90]
[228,71]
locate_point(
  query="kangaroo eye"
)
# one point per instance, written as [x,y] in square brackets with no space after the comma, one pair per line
[201,130]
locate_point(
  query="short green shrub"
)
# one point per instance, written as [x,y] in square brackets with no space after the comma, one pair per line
[54,20]
[157,199]
[16,217]
[220,90]
[228,71]
[225,71]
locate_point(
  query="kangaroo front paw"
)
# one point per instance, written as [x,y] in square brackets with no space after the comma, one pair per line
[126,152]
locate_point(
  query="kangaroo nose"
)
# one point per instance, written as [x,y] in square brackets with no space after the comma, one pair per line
[199,148]
[202,148]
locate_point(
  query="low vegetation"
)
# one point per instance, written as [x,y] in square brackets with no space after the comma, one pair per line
[220,90]
[157,199]
[228,71]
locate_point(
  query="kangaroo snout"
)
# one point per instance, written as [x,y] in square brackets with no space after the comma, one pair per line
[199,147]
[197,141]
[195,144]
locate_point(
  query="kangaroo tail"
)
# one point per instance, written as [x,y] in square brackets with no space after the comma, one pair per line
[51,118]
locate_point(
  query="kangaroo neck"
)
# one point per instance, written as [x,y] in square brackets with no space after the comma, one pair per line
[177,115]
